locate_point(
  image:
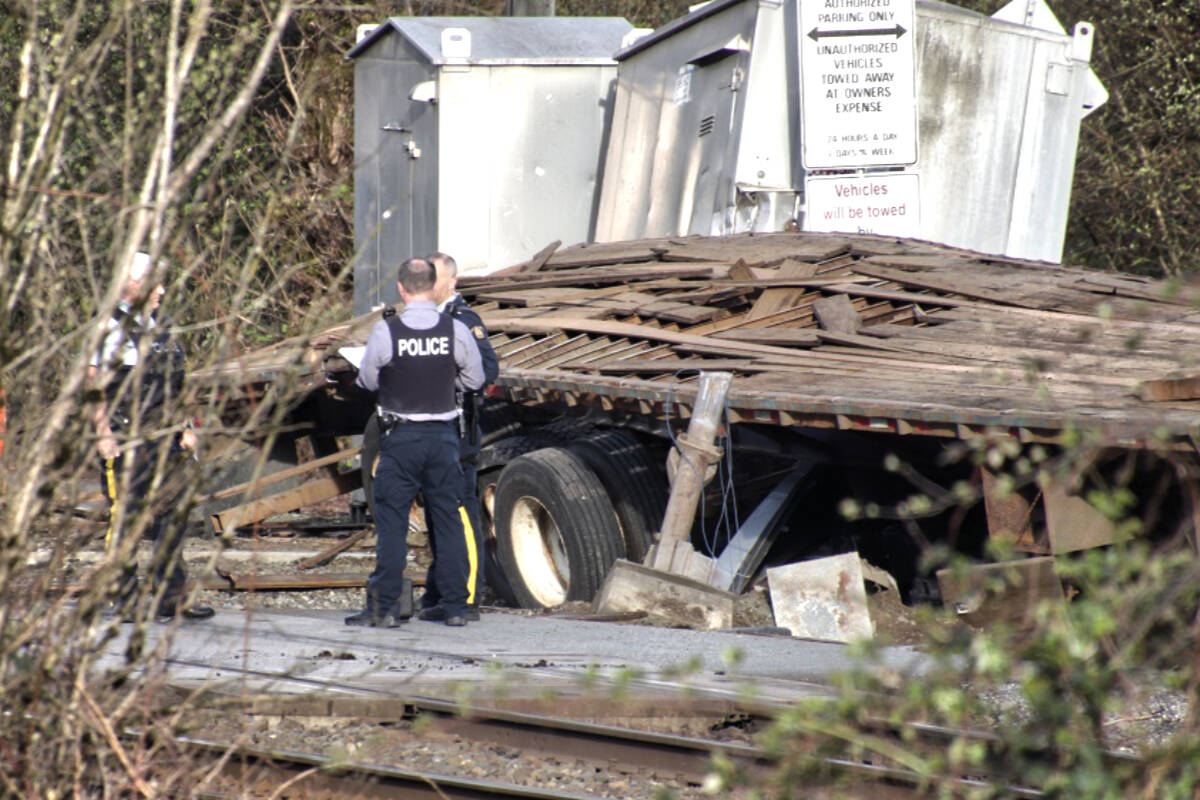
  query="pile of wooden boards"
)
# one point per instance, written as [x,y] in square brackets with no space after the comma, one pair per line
[830,330]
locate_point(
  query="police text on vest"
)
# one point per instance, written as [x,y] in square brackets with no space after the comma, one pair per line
[427,346]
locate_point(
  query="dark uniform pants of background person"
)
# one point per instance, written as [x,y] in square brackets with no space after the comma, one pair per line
[166,570]
[470,506]
[420,456]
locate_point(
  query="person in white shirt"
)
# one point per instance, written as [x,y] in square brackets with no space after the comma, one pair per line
[138,369]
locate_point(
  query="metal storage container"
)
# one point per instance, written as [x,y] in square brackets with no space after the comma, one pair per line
[707,132]
[477,136]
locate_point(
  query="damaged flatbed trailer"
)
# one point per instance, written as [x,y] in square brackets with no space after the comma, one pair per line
[886,394]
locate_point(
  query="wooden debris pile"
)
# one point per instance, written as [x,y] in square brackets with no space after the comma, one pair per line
[830,330]
[919,337]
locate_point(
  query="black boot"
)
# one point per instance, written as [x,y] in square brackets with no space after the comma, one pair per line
[404,606]
[366,617]
[168,611]
[370,616]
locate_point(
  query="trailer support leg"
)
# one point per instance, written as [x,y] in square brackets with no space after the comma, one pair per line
[674,552]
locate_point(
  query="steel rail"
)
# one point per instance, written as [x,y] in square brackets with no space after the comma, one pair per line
[320,776]
[666,755]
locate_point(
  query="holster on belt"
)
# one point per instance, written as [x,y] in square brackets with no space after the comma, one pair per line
[469,419]
[387,421]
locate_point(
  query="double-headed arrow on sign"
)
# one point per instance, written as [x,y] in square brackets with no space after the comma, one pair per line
[816,34]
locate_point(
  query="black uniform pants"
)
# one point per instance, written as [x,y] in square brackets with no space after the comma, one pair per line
[470,502]
[420,457]
[166,570]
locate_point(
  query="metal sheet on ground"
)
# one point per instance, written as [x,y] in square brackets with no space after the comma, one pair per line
[824,598]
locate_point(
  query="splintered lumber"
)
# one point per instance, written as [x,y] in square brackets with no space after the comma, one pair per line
[842,331]
[836,314]
[250,487]
[780,337]
[534,264]
[313,491]
[328,554]
[1187,388]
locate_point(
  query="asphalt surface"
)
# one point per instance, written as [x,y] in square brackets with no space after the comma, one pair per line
[303,652]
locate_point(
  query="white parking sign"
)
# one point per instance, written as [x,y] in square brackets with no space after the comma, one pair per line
[858,78]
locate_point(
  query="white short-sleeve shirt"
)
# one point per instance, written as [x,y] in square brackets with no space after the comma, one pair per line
[116,342]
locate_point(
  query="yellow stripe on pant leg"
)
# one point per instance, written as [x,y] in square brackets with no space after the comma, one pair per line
[110,479]
[472,555]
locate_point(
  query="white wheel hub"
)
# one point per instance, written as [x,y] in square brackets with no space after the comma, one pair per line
[539,551]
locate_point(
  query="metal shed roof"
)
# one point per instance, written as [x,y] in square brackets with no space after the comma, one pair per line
[511,40]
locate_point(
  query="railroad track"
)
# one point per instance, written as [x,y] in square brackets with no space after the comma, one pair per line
[246,772]
[616,750]
[257,772]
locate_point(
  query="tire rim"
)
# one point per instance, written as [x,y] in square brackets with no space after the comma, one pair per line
[540,552]
[487,502]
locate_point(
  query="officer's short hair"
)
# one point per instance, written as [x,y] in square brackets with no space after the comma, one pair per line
[416,275]
[445,259]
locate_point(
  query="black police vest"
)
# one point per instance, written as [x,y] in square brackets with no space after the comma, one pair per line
[162,374]
[420,377]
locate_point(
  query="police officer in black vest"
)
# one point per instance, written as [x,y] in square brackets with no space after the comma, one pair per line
[416,361]
[138,370]
[452,303]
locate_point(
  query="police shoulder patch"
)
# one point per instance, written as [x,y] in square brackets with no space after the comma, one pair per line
[479,332]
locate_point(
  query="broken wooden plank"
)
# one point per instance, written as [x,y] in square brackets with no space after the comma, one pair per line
[778,299]
[780,337]
[534,264]
[836,314]
[666,365]
[622,329]
[1162,389]
[870,342]
[307,493]
[250,487]
[684,313]
[758,248]
[1138,288]
[886,330]
[606,275]
[523,297]
[772,301]
[328,554]
[601,254]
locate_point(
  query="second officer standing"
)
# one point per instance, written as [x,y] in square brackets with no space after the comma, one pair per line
[470,436]
[416,361]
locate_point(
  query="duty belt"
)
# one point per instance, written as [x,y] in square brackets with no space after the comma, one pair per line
[389,420]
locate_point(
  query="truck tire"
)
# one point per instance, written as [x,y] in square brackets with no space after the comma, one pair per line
[496,580]
[557,533]
[499,453]
[496,421]
[636,485]
[493,457]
